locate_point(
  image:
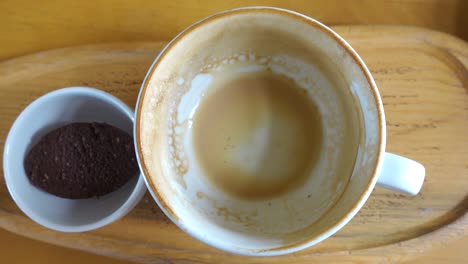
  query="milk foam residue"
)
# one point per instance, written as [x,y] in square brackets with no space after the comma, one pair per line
[182,112]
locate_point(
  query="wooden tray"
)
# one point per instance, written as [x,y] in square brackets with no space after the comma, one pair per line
[423,79]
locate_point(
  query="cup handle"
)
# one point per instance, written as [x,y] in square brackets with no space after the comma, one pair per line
[401,174]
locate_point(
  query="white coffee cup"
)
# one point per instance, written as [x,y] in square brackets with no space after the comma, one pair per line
[174,87]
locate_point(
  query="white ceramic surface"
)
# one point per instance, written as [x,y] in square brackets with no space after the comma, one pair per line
[297,219]
[50,111]
[401,174]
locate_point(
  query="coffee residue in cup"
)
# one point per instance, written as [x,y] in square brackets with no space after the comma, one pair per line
[82,160]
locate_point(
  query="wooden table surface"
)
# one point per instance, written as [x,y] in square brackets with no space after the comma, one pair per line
[31,26]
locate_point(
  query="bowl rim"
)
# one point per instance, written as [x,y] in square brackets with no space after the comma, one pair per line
[135,196]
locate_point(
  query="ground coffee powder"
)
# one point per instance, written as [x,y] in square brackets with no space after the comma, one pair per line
[82,160]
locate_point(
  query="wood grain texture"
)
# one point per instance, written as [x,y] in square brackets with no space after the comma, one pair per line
[28,26]
[22,250]
[423,79]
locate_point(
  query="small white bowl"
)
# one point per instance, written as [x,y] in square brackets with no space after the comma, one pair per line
[50,111]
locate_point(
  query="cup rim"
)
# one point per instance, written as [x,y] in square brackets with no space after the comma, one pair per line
[134,197]
[352,211]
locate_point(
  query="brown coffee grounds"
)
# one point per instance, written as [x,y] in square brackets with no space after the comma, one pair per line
[82,160]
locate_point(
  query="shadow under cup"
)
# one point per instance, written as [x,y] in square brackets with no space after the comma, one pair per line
[316,59]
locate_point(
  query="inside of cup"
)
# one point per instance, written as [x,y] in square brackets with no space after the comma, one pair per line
[315,58]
